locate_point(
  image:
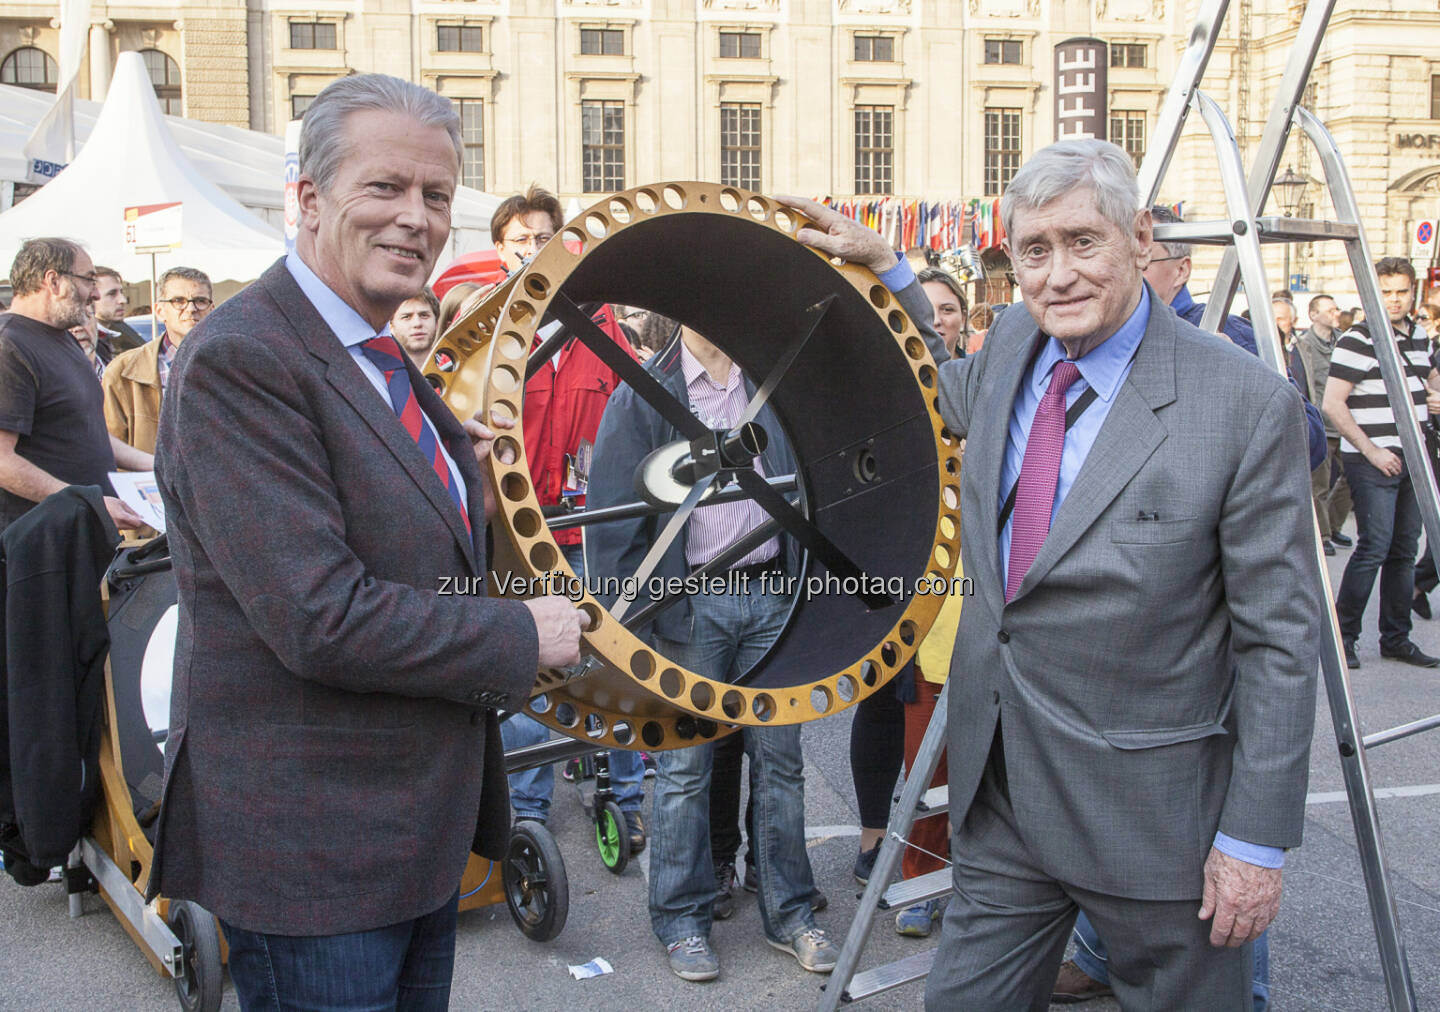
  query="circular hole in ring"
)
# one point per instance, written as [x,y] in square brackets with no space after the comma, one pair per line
[646,201]
[593,616]
[566,715]
[730,200]
[594,726]
[865,468]
[685,727]
[907,633]
[951,495]
[597,226]
[942,556]
[573,240]
[537,286]
[732,704]
[623,732]
[652,734]
[436,383]
[915,348]
[504,409]
[674,197]
[506,445]
[927,376]
[515,487]
[706,728]
[889,653]
[540,704]
[896,320]
[526,523]
[946,436]
[521,311]
[543,556]
[620,210]
[846,689]
[784,222]
[763,707]
[511,345]
[702,696]
[505,379]
[820,699]
[947,525]
[672,683]
[869,673]
[879,296]
[952,465]
[642,664]
[758,208]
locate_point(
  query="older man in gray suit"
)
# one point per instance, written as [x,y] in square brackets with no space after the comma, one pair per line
[1132,692]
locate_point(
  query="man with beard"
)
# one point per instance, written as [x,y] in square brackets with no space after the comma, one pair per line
[52,428]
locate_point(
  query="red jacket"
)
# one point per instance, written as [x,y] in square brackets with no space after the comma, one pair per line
[562,407]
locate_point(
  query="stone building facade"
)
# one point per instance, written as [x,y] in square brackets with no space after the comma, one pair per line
[933,99]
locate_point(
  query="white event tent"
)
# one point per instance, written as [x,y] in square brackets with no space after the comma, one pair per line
[246,165]
[131,159]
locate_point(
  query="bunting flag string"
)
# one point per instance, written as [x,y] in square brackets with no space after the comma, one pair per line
[910,223]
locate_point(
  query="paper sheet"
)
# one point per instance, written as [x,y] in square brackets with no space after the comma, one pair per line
[137,489]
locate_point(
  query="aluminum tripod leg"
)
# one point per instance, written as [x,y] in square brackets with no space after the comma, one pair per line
[917,781]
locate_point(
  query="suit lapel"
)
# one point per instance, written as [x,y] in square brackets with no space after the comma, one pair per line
[1128,437]
[342,373]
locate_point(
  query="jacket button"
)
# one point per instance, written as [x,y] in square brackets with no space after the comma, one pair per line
[1003,636]
[997,697]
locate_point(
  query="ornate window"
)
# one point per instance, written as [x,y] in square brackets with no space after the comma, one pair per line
[874,49]
[459,39]
[29,67]
[1002,149]
[602,42]
[602,143]
[1127,54]
[472,138]
[874,149]
[312,35]
[165,79]
[1127,129]
[740,144]
[1002,51]
[739,45]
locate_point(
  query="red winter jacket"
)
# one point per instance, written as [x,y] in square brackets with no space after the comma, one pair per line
[562,407]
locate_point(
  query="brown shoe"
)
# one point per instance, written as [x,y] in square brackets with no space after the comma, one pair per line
[1073,985]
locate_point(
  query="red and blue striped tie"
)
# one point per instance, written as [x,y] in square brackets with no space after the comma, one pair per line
[384,352]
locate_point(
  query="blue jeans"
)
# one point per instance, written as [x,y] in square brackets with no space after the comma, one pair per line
[731,633]
[1387,520]
[530,791]
[1090,956]
[404,966]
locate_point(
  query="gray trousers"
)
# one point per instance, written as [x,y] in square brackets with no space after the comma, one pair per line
[1332,502]
[1005,930]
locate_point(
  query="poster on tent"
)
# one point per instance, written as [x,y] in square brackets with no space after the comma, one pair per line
[153,228]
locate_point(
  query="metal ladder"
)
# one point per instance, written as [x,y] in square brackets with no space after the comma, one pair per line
[1242,233]
[844,983]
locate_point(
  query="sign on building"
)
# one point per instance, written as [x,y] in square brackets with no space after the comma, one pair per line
[1081,72]
[1422,239]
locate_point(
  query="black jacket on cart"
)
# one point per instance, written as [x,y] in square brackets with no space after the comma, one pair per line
[52,683]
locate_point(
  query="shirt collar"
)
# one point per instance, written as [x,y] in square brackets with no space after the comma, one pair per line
[693,370]
[349,326]
[1183,301]
[1102,367]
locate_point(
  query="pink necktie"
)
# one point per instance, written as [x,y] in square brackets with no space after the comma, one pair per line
[1039,470]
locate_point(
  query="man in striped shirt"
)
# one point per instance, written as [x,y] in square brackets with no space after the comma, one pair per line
[1386,511]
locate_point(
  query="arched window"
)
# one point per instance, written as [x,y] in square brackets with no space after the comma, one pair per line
[29,67]
[165,76]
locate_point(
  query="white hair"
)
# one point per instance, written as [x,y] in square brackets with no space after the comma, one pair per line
[1055,170]
[322,139]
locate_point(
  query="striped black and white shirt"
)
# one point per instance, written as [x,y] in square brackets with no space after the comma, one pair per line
[1354,362]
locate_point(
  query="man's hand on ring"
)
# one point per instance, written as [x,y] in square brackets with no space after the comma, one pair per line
[838,236]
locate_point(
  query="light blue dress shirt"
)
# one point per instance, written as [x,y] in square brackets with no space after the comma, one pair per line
[352,330]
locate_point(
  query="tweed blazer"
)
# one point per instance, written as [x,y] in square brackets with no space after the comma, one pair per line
[1153,679]
[332,710]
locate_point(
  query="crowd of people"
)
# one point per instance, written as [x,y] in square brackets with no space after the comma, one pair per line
[1118,757]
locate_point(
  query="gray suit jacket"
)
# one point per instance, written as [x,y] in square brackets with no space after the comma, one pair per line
[332,711]
[1153,678]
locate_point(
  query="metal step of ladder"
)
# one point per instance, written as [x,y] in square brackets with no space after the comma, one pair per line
[845,983]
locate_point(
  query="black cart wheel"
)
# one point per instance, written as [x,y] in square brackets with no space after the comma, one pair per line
[612,836]
[536,889]
[202,979]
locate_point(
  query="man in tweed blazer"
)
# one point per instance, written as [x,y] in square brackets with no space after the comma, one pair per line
[333,752]
[1130,717]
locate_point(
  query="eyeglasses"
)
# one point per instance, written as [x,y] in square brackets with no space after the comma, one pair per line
[533,241]
[1164,260]
[89,279]
[178,303]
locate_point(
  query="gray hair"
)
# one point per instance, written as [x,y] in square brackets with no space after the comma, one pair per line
[322,138]
[184,274]
[1163,215]
[37,258]
[1057,169]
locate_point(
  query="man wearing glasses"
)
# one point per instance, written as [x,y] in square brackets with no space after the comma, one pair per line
[135,380]
[52,432]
